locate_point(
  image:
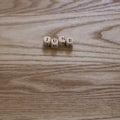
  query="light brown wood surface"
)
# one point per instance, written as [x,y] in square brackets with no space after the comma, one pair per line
[37,83]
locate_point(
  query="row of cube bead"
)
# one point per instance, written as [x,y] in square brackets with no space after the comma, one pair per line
[54,42]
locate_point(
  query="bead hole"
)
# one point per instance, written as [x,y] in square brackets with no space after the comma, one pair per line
[70,40]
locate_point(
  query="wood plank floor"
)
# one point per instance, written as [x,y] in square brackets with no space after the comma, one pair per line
[38,83]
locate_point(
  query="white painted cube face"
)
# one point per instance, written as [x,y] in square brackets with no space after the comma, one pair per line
[69,42]
[47,41]
[54,43]
[61,40]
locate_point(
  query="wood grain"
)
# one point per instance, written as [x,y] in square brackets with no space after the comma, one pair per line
[37,83]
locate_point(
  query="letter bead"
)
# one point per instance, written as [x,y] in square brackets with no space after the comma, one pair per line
[47,41]
[69,42]
[54,43]
[61,40]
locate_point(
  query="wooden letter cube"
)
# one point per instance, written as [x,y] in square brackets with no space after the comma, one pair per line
[54,43]
[47,41]
[61,40]
[69,42]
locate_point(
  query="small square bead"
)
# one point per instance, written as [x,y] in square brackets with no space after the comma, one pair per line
[69,42]
[61,40]
[47,41]
[54,43]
